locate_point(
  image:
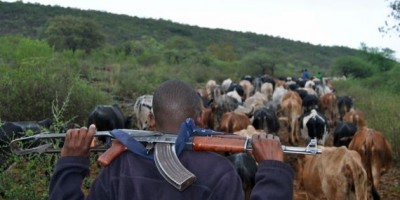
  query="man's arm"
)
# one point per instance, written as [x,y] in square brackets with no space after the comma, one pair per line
[73,165]
[67,178]
[274,178]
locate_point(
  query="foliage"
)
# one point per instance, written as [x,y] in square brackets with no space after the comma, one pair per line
[393,22]
[386,81]
[69,32]
[29,177]
[224,52]
[353,66]
[179,44]
[262,62]
[384,58]
[18,51]
[33,80]
[17,182]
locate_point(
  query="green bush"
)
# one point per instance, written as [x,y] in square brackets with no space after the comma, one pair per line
[19,51]
[35,80]
[352,66]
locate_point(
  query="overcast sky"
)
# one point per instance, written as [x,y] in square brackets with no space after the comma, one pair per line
[325,22]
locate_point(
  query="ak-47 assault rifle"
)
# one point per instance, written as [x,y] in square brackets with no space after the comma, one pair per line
[163,144]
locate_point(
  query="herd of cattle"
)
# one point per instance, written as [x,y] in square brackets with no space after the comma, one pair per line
[354,155]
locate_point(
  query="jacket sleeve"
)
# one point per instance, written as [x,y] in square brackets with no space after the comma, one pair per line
[274,180]
[67,178]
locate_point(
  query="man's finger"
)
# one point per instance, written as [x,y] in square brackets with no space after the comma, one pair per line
[255,137]
[92,129]
[270,136]
[276,138]
[90,134]
[68,136]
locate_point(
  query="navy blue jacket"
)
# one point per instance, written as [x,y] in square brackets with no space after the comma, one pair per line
[130,176]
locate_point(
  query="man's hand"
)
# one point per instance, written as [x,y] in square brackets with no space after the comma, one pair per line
[77,141]
[267,147]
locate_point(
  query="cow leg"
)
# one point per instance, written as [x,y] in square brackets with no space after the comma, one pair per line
[293,136]
[290,134]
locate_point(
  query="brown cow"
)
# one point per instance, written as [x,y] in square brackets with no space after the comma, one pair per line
[208,118]
[291,108]
[356,117]
[328,105]
[292,94]
[234,121]
[376,153]
[345,104]
[249,132]
[337,173]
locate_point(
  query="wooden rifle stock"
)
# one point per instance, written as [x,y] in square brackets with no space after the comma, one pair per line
[114,151]
[220,143]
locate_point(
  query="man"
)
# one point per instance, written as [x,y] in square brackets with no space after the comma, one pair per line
[305,75]
[130,176]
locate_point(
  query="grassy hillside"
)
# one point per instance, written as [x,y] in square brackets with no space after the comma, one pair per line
[31,20]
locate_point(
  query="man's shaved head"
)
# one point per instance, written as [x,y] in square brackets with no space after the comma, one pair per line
[173,102]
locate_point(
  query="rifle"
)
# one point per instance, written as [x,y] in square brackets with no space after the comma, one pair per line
[163,144]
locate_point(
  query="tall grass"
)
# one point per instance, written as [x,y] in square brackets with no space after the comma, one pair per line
[380,107]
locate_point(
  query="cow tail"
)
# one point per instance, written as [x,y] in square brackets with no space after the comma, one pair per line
[368,155]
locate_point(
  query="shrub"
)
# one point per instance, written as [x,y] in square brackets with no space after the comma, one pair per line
[353,66]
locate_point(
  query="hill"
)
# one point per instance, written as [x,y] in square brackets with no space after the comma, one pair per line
[31,20]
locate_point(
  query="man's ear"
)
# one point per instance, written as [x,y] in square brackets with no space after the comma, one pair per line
[151,122]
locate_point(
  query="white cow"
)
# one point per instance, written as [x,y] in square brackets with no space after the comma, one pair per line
[142,109]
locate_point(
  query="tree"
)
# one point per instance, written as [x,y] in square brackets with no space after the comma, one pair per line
[263,61]
[225,52]
[69,32]
[353,66]
[394,17]
[177,49]
[383,59]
